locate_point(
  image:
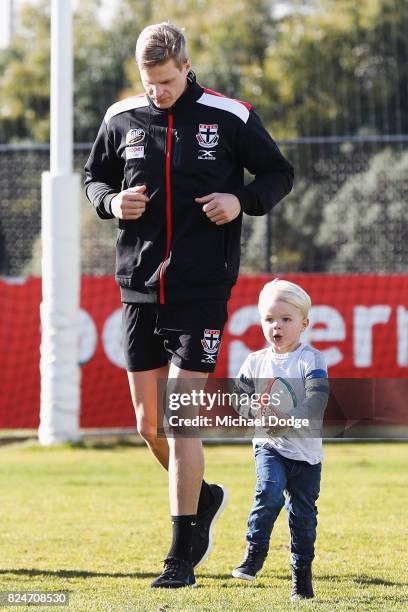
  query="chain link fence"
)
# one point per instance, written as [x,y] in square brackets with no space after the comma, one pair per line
[346,214]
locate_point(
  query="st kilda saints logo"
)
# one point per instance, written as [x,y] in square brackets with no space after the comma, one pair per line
[211,343]
[207,138]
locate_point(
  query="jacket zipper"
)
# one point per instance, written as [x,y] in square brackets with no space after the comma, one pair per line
[169,141]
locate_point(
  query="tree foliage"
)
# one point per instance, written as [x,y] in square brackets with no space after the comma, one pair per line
[341,68]
[99,68]
[338,68]
[25,78]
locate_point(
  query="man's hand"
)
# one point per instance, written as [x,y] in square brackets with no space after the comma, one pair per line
[130,204]
[220,208]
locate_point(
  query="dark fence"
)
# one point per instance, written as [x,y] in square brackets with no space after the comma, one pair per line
[346,214]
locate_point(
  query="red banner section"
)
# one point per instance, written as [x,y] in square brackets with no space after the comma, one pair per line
[359,322]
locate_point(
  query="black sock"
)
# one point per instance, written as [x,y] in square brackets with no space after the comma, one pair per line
[206,497]
[182,536]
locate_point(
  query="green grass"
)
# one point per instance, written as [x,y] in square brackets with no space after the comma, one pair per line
[94,522]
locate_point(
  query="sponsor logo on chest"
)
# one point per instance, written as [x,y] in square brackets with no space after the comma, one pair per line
[134,152]
[133,137]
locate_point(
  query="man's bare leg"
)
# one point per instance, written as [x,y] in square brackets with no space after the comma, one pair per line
[143,389]
[185,454]
[186,460]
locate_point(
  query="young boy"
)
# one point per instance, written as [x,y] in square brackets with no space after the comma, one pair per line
[288,459]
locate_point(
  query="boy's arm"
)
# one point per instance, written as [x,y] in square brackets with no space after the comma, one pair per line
[316,387]
[316,384]
[317,395]
[244,388]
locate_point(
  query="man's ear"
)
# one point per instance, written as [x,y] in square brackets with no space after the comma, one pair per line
[188,65]
[305,323]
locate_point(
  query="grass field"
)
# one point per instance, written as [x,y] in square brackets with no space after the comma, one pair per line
[94,522]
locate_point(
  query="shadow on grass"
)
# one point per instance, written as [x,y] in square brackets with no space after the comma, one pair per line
[90,445]
[76,573]
[105,443]
[108,444]
[230,580]
[241,582]
[369,580]
[361,579]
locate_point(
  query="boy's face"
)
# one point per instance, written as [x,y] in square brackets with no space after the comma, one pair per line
[165,83]
[282,324]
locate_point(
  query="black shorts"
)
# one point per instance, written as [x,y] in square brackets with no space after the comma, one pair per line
[188,334]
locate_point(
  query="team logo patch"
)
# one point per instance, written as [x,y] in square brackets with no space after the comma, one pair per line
[211,343]
[134,152]
[208,136]
[133,137]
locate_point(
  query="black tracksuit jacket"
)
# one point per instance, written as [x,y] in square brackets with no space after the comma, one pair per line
[201,145]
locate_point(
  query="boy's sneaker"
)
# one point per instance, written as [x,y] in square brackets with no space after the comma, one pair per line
[252,564]
[302,587]
[202,534]
[177,573]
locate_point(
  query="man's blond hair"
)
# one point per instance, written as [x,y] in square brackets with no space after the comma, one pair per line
[287,292]
[159,43]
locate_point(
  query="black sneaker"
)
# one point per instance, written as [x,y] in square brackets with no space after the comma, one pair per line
[202,534]
[177,573]
[252,563]
[302,582]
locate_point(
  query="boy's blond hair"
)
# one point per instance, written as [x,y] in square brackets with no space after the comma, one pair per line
[287,292]
[159,43]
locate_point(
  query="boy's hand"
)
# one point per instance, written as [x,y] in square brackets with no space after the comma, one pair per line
[275,429]
[269,411]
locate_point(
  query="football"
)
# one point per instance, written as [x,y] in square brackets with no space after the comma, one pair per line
[282,395]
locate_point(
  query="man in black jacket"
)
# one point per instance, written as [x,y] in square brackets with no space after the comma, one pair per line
[169,164]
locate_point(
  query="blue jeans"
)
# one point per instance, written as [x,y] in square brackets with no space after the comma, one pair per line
[275,475]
